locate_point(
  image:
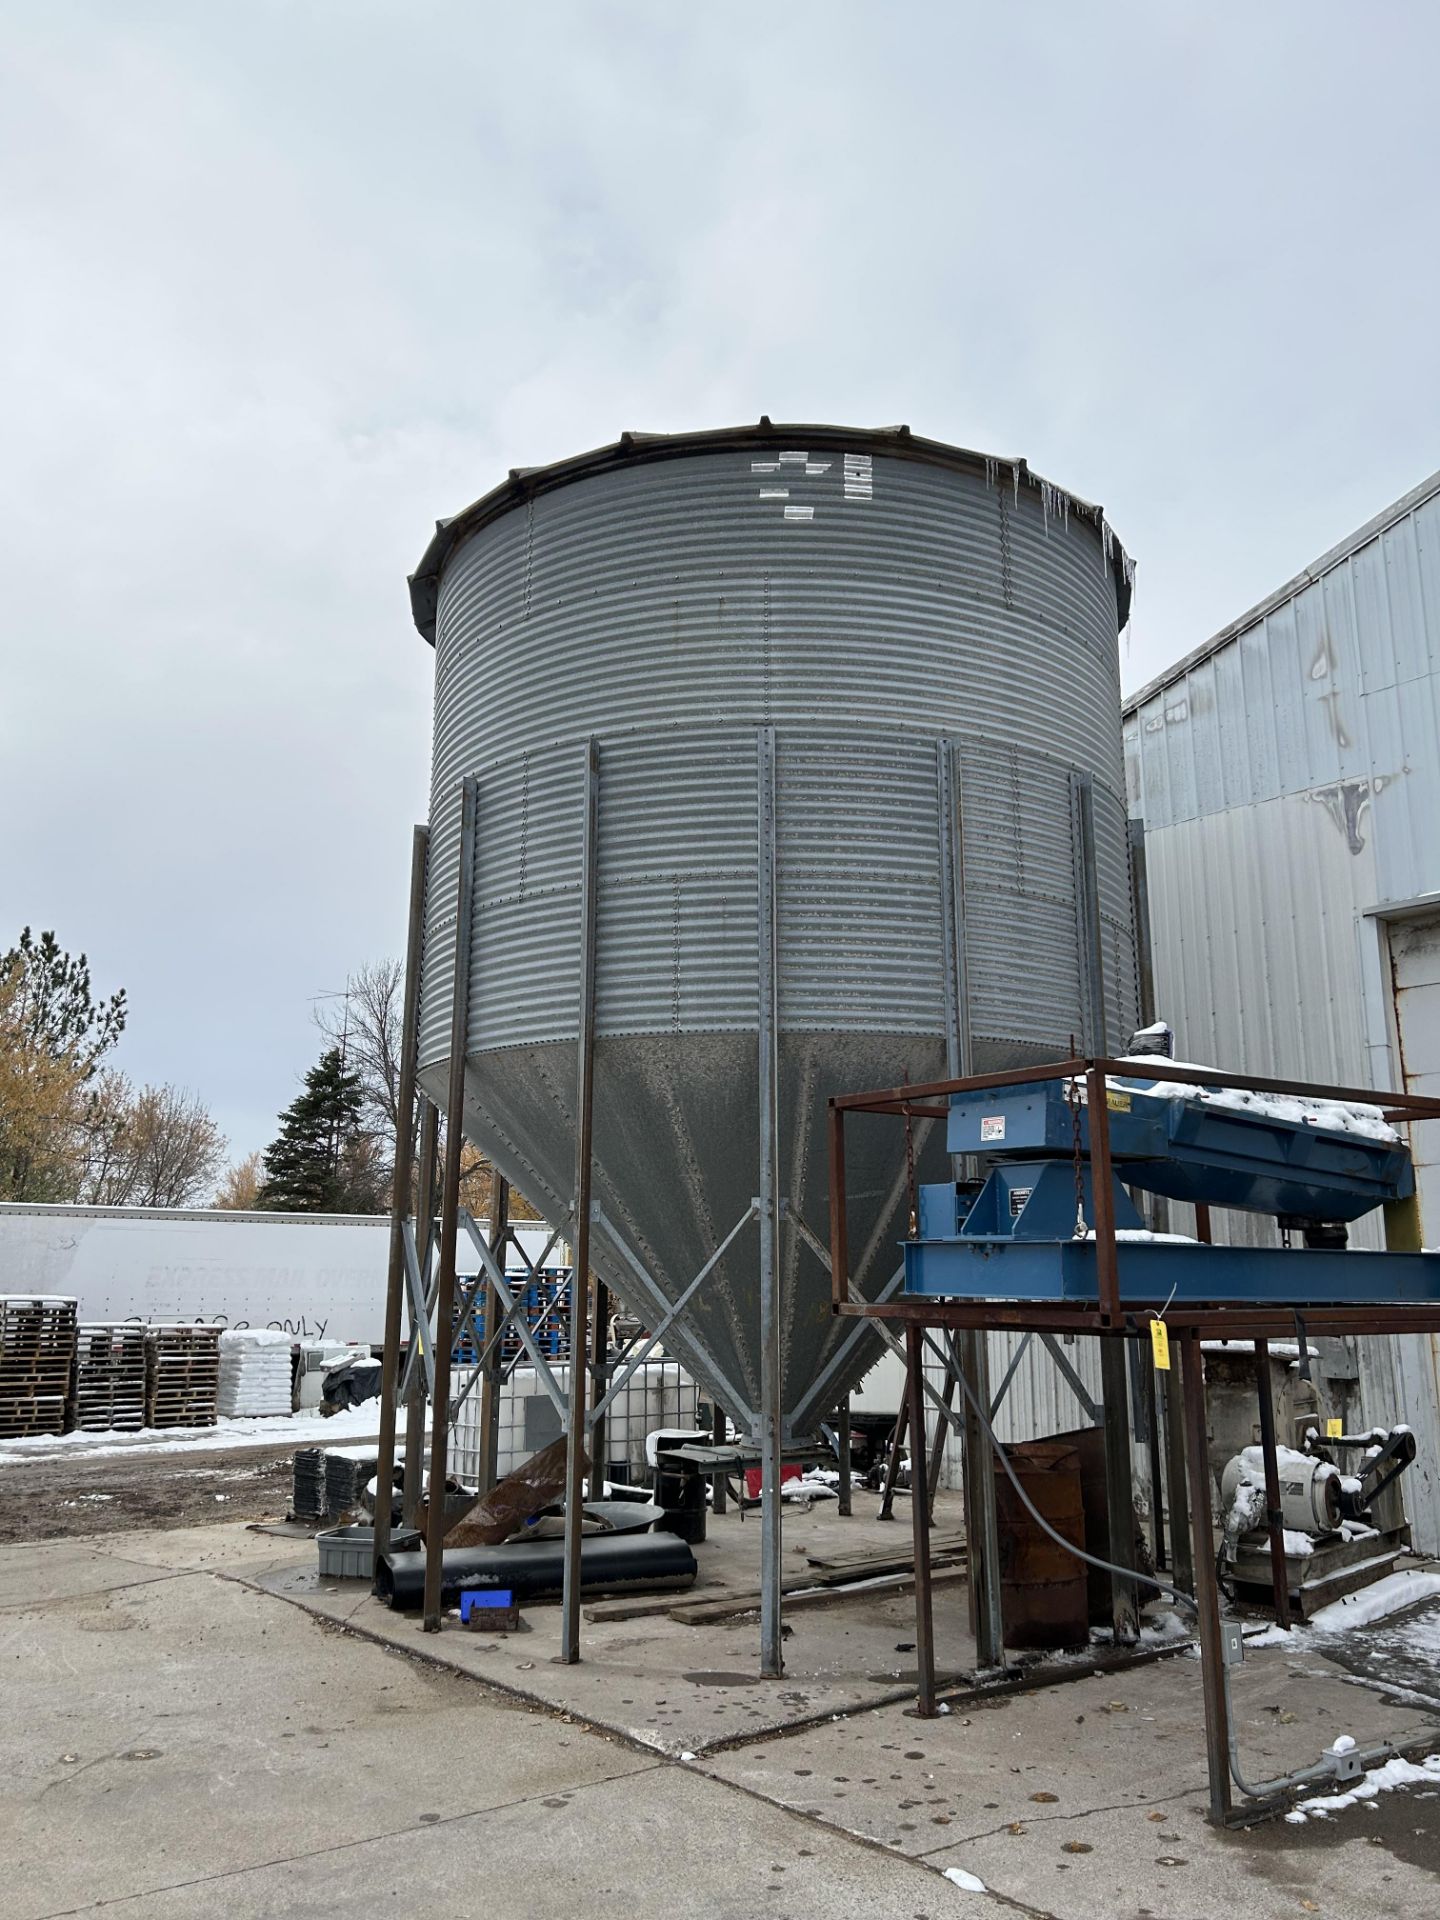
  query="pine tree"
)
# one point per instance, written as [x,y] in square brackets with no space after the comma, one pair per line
[53,1036]
[322,1160]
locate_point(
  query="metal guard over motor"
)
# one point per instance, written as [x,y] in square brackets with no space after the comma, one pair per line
[1022,1235]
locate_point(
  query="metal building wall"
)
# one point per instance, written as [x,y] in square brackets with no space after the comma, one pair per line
[1288,777]
[1038,1401]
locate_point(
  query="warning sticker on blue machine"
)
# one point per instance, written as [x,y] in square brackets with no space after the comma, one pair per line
[992,1126]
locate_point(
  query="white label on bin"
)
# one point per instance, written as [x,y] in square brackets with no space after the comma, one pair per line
[992,1126]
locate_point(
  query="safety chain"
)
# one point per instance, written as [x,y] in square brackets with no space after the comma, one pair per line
[910,1166]
[1072,1096]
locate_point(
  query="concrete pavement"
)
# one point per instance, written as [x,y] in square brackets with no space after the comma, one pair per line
[176,1741]
[177,1744]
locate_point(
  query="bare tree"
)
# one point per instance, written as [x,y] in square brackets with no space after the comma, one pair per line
[155,1147]
[239,1188]
[106,1157]
[366,1022]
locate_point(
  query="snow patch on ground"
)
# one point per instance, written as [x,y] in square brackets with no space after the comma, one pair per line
[1273,1636]
[1383,1779]
[1376,1602]
[967,1882]
[308,1429]
[1166,1628]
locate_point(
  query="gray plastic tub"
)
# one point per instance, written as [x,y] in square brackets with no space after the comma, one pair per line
[348,1553]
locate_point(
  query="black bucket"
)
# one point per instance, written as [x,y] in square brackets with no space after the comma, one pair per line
[681,1496]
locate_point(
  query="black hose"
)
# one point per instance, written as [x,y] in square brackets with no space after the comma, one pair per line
[1106,1566]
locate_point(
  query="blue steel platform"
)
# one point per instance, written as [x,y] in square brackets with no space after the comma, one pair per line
[1174,1140]
[1020,1236]
[1152,1271]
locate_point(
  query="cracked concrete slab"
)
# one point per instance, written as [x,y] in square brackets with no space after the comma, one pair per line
[225,1545]
[189,1746]
[65,1570]
[179,1742]
[669,1843]
[189,1727]
[1181,1869]
[683,1689]
[1087,1801]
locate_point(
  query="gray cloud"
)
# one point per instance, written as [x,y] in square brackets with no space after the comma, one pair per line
[284,283]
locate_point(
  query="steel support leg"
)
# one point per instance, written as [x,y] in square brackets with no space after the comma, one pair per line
[402,1200]
[772,1663]
[493,1364]
[1150,1422]
[1119,1486]
[600,1373]
[1207,1589]
[450,1211]
[842,1430]
[720,1434]
[898,1440]
[579,1401]
[1274,1518]
[920,1524]
[937,1445]
[982,1524]
[415,1401]
[1182,1564]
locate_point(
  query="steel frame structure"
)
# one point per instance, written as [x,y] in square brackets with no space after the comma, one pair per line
[1117,1321]
[422,1278]
[422,1284]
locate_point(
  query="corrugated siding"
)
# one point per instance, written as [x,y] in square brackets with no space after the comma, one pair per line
[1289,783]
[672,610]
[868,609]
[1038,1402]
[1332,697]
[858,882]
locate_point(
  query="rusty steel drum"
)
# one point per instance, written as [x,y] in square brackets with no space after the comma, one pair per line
[1043,1599]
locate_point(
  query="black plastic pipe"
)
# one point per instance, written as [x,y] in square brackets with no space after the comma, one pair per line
[535,1569]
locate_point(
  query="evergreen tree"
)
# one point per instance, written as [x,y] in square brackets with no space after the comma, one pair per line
[322,1160]
[53,1036]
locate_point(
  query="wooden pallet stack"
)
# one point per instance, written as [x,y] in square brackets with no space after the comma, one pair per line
[37,1363]
[182,1376]
[110,1377]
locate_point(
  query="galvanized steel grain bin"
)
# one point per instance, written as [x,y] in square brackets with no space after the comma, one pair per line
[931,635]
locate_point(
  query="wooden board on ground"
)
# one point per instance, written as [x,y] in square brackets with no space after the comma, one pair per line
[834,1576]
[638,1605]
[707,1612]
[949,1541]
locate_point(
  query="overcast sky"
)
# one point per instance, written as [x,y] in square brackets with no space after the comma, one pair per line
[283,283]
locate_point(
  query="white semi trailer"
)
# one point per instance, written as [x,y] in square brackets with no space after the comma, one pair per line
[318,1276]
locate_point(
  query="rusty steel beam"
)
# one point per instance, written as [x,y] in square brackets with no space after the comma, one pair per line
[1274,1518]
[401,1199]
[1406,1105]
[920,1525]
[450,1207]
[1238,1322]
[1207,1587]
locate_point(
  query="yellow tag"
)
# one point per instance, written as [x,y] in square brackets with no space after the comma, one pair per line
[1160,1345]
[1334,1429]
[1116,1101]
